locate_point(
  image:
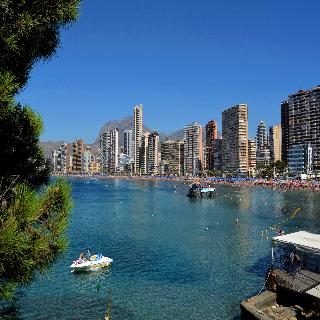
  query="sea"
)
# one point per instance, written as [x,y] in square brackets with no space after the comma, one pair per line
[174,257]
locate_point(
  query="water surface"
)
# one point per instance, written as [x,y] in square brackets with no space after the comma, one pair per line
[174,257]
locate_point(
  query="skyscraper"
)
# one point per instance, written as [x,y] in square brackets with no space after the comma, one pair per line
[143,153]
[193,149]
[211,135]
[261,140]
[127,135]
[104,151]
[252,157]
[172,157]
[137,133]
[275,142]
[113,151]
[300,121]
[235,139]
[78,149]
[153,149]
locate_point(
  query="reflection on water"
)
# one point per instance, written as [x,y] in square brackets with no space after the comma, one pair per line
[174,257]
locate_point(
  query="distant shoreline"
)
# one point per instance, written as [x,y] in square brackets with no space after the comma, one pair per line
[286,185]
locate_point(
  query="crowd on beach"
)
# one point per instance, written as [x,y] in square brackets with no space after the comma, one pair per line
[285,185]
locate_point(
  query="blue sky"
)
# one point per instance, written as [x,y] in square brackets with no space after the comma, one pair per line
[183,60]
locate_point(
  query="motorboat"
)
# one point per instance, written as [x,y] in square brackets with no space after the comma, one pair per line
[197,190]
[90,263]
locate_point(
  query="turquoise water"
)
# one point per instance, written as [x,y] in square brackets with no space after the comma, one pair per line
[174,257]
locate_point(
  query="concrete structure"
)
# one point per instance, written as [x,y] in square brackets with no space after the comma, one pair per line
[300,121]
[172,157]
[252,164]
[193,149]
[211,135]
[86,160]
[235,140]
[217,155]
[125,163]
[54,160]
[113,151]
[137,135]
[128,143]
[275,142]
[300,159]
[104,151]
[143,153]
[153,150]
[261,139]
[77,152]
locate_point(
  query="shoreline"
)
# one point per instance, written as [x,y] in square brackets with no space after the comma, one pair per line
[282,185]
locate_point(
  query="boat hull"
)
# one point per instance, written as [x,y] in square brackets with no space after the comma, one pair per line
[91,265]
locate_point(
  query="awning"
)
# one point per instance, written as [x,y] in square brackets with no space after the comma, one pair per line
[304,239]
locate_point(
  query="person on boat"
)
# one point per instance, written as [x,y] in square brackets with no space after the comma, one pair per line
[294,262]
[81,255]
[88,255]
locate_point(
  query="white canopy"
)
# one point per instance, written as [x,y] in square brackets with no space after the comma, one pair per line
[300,238]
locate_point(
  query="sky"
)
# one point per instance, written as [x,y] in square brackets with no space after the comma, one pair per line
[184,61]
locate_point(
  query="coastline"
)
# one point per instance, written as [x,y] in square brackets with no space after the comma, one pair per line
[282,185]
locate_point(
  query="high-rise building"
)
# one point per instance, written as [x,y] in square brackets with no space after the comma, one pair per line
[300,121]
[211,135]
[275,142]
[113,151]
[153,150]
[300,159]
[252,157]
[261,140]
[143,152]
[78,149]
[193,149]
[172,157]
[86,160]
[137,135]
[54,161]
[104,151]
[128,142]
[235,139]
[217,156]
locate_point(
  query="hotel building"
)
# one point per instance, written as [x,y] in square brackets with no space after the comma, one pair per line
[211,135]
[193,149]
[235,139]
[153,150]
[275,142]
[137,135]
[127,138]
[77,152]
[172,157]
[300,123]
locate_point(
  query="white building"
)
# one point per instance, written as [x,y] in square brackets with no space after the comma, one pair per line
[137,135]
[128,143]
[86,160]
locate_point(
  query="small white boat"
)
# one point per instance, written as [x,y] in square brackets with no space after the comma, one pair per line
[95,262]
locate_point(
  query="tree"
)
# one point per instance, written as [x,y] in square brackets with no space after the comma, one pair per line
[32,217]
[30,31]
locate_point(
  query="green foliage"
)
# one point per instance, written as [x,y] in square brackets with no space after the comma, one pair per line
[20,129]
[272,170]
[29,31]
[31,224]
[32,233]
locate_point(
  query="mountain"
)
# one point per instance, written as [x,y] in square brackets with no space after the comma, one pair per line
[121,125]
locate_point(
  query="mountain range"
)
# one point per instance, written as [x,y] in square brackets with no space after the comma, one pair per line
[121,125]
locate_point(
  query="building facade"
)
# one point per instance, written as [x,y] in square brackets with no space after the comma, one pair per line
[300,120]
[275,142]
[137,135]
[235,139]
[300,159]
[113,151]
[252,163]
[143,153]
[104,151]
[77,152]
[217,156]
[211,136]
[128,143]
[86,160]
[172,157]
[193,149]
[153,150]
